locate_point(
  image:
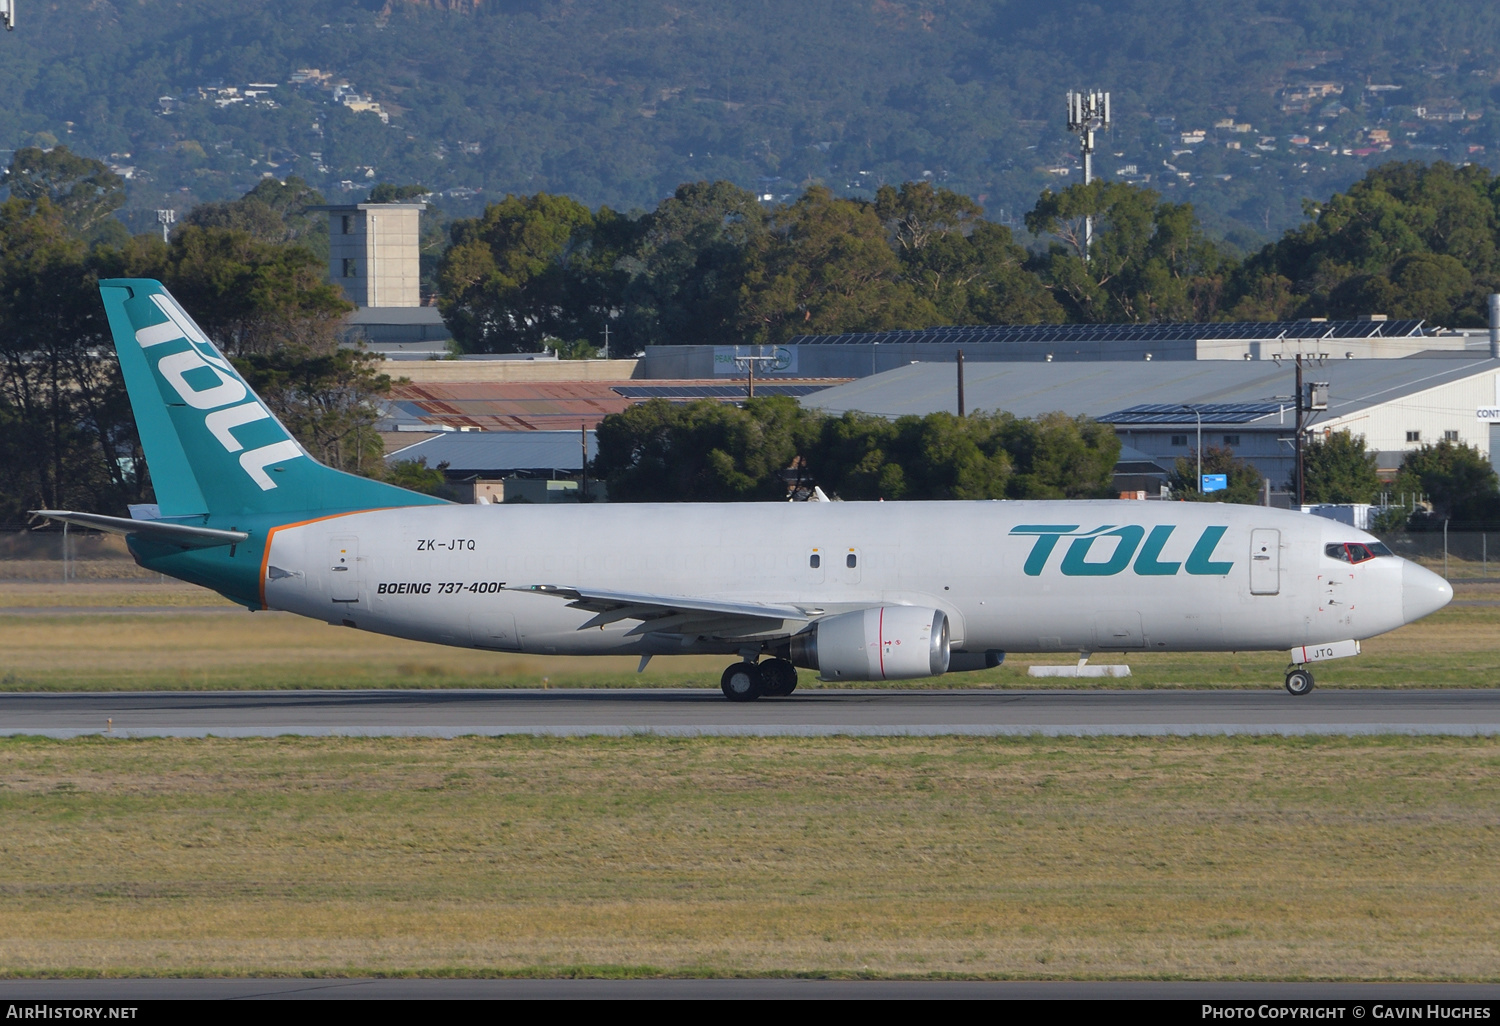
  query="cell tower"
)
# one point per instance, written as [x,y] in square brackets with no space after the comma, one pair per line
[1087,113]
[8,14]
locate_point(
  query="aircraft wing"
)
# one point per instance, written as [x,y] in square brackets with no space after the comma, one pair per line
[674,614]
[186,535]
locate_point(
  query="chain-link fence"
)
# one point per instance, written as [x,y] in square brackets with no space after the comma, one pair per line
[71,555]
[1457,555]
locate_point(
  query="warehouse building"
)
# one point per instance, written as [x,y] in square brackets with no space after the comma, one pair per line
[862,354]
[1159,408]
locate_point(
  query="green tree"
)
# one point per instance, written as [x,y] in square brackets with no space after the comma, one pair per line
[688,265]
[1408,239]
[247,294]
[1338,468]
[971,271]
[67,440]
[939,456]
[699,452]
[417,476]
[530,268]
[386,192]
[82,191]
[1245,482]
[1060,457]
[1456,478]
[826,266]
[1149,260]
[275,211]
[578,349]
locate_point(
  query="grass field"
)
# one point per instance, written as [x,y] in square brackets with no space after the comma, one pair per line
[72,649]
[1033,858]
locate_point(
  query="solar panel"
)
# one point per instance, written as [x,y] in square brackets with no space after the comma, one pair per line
[1189,413]
[712,391]
[1173,332]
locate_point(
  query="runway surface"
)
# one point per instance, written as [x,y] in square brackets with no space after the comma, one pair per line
[121,991]
[695,712]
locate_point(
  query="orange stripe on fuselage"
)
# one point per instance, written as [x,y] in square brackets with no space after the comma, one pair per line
[265,558]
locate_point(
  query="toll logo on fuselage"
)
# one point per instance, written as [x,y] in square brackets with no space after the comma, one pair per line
[1133,548]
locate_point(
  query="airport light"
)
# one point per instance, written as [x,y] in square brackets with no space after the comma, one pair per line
[1087,113]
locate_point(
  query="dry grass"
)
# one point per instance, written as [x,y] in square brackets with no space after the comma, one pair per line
[1201,858]
[75,649]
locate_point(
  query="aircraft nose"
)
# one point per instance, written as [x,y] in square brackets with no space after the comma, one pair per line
[1422,592]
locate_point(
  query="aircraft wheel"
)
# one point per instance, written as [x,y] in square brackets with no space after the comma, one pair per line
[742,682]
[779,677]
[1299,681]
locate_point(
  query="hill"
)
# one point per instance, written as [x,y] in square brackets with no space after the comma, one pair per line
[1243,108]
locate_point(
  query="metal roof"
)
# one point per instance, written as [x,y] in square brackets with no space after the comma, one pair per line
[554,405]
[501,452]
[1174,332]
[713,391]
[509,405]
[1108,388]
[395,315]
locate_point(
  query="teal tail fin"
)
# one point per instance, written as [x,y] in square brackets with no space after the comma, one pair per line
[213,447]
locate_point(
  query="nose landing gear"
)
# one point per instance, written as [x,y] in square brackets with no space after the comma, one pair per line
[1299,680]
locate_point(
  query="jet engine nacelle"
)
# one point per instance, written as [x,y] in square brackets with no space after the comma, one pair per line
[884,643]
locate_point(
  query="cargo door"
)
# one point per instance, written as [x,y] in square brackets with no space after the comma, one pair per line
[1265,562]
[343,569]
[495,630]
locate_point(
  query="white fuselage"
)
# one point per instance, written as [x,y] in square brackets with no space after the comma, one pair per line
[1260,580]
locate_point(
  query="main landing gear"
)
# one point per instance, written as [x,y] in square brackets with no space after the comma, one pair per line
[746,681]
[1299,680]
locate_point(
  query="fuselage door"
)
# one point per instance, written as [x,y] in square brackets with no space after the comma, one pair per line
[343,569]
[1265,562]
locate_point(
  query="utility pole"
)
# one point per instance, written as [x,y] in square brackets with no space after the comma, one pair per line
[960,384]
[606,340]
[1301,412]
[165,218]
[8,14]
[1197,413]
[749,363]
[1312,399]
[1087,113]
[583,445]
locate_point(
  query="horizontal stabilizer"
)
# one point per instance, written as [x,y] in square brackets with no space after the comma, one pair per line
[185,535]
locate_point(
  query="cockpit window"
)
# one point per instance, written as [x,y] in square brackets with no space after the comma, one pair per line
[1355,552]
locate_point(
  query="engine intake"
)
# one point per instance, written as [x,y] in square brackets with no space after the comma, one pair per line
[884,643]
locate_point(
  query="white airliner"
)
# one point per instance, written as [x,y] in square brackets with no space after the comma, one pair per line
[856,591]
